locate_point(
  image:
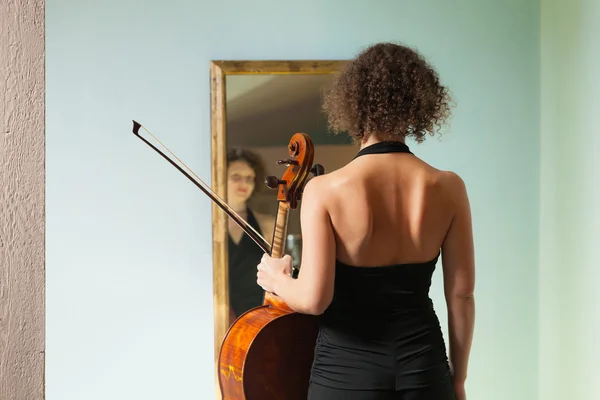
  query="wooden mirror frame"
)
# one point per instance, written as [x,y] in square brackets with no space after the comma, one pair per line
[218,73]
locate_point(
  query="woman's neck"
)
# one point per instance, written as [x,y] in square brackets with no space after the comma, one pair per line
[372,139]
[240,208]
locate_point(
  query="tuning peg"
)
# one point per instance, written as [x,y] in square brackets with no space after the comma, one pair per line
[317,170]
[273,182]
[287,162]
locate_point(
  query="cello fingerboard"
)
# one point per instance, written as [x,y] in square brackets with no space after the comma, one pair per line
[280,233]
[277,250]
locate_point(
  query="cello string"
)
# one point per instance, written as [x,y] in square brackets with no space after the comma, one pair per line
[237,217]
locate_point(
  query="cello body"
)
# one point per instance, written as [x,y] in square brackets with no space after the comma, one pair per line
[267,354]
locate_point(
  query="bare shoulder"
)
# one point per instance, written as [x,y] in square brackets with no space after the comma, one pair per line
[452,180]
[454,186]
[448,180]
[316,184]
[322,187]
[336,179]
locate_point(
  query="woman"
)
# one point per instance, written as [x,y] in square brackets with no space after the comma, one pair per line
[372,234]
[244,172]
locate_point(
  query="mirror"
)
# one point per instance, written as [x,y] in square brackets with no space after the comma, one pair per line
[256,108]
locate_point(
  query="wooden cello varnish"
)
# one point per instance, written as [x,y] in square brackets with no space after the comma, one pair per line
[267,353]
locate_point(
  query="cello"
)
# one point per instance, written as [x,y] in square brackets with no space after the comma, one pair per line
[267,352]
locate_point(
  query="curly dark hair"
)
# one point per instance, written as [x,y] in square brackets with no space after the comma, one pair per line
[389,91]
[250,158]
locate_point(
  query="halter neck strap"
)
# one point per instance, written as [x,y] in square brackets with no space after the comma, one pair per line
[384,147]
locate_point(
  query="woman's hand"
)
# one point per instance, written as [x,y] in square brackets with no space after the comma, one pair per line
[272,270]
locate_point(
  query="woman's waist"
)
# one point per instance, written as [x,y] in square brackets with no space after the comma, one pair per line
[389,333]
[380,316]
[381,301]
[379,360]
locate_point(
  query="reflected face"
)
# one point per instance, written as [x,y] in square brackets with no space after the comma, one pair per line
[240,182]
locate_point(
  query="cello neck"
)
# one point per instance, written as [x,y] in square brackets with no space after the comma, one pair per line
[280,233]
[277,251]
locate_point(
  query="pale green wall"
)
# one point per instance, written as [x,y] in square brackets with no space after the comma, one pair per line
[570,206]
[129,297]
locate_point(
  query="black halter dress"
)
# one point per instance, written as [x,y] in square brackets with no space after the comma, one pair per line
[380,338]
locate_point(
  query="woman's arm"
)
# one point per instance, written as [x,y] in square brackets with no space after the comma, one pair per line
[459,280]
[312,291]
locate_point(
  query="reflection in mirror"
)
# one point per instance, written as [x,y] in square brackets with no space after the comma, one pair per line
[262,114]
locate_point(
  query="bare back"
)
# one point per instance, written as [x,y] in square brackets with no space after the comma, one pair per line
[386,208]
[389,209]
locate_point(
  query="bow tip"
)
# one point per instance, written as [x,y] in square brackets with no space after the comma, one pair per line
[136,127]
